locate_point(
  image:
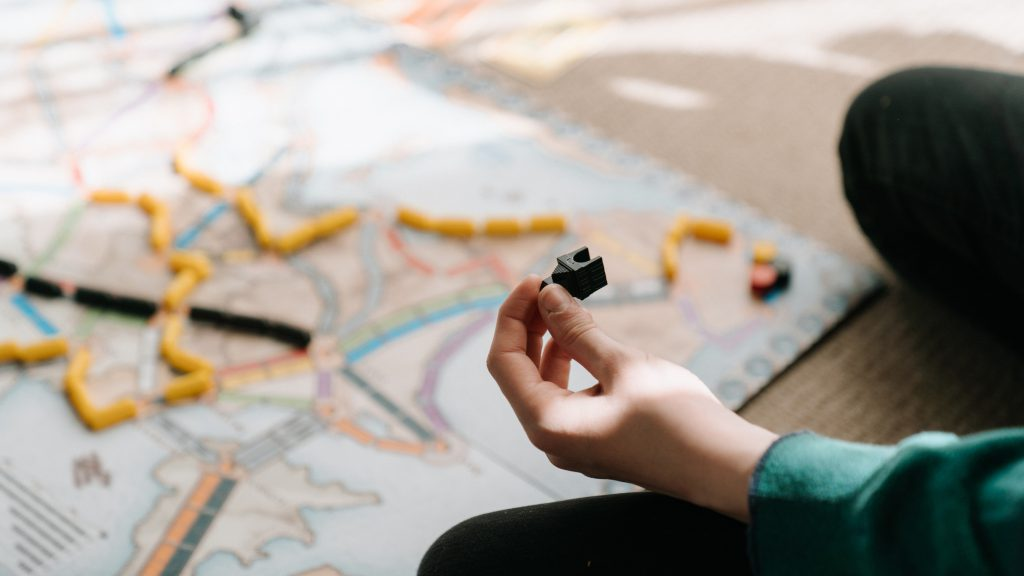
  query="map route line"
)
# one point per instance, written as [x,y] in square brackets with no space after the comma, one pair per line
[407,320]
[25,306]
[396,242]
[45,98]
[436,364]
[395,410]
[113,24]
[147,93]
[188,236]
[182,440]
[277,440]
[67,226]
[328,296]
[189,525]
[729,339]
[292,363]
[374,279]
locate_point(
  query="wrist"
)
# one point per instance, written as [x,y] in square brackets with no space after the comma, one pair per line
[716,454]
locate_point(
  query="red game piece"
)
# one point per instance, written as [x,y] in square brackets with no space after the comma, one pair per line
[762,278]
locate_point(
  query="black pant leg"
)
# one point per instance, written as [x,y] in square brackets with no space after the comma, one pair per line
[624,534]
[933,167]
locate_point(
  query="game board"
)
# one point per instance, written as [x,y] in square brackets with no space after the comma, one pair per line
[352,457]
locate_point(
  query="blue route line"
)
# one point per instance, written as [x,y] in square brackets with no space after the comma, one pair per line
[374,279]
[359,352]
[116,30]
[25,306]
[188,237]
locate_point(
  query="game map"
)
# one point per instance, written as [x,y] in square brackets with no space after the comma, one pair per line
[350,457]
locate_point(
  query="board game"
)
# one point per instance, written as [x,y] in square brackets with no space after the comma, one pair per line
[352,455]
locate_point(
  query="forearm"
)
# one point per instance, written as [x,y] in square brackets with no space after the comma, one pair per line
[935,504]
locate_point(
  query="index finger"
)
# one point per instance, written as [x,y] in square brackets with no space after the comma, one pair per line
[509,362]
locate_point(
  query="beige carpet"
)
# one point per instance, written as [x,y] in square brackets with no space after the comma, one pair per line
[768,137]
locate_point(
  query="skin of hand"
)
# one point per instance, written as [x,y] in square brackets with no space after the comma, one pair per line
[646,421]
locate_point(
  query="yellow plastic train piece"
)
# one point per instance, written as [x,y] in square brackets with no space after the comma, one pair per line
[458,227]
[181,286]
[670,259]
[334,221]
[415,219]
[160,231]
[194,261]
[764,252]
[8,352]
[555,223]
[151,204]
[43,350]
[250,212]
[110,196]
[172,333]
[711,230]
[189,386]
[186,362]
[503,227]
[679,229]
[204,182]
[95,418]
[298,238]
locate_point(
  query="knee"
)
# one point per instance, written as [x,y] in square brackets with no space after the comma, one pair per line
[883,113]
[454,550]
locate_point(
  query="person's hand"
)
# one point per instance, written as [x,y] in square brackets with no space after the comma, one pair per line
[646,421]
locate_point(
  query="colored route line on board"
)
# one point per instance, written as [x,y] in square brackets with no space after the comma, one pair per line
[368,339]
[433,376]
[189,526]
[25,306]
[191,234]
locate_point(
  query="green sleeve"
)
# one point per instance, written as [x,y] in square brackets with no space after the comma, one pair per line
[934,504]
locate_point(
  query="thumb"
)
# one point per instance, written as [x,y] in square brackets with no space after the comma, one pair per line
[573,328]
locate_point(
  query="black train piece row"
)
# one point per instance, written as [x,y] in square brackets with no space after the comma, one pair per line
[93,298]
[107,301]
[578,273]
[251,325]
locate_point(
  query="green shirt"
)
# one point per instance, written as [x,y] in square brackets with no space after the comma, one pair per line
[934,504]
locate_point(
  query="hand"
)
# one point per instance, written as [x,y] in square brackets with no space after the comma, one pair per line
[646,421]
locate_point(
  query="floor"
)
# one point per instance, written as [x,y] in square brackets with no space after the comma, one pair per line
[748,96]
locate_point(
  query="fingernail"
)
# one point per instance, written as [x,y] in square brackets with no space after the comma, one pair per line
[555,298]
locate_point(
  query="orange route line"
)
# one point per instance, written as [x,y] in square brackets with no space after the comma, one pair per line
[179,528]
[399,246]
[364,436]
[262,364]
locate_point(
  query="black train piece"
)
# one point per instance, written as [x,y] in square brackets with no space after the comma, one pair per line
[7,269]
[578,273]
[44,288]
[784,271]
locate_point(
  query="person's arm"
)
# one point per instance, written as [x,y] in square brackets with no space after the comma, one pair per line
[646,421]
[934,504]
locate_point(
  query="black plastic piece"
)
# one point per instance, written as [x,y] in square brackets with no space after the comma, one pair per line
[248,324]
[281,332]
[123,304]
[93,298]
[209,315]
[784,271]
[7,269]
[296,337]
[246,22]
[578,273]
[134,306]
[44,288]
